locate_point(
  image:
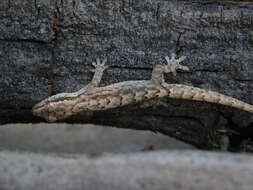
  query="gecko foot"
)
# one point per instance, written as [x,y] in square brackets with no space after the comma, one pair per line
[99,70]
[99,65]
[174,64]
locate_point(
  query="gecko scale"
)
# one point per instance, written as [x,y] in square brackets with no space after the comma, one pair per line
[94,98]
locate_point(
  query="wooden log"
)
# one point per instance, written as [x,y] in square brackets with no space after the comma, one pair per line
[47,46]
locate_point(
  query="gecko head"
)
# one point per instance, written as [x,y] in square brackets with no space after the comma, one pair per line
[54,108]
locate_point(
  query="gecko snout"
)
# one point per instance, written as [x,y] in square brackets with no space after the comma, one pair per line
[43,110]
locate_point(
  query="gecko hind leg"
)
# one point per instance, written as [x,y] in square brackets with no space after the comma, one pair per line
[172,65]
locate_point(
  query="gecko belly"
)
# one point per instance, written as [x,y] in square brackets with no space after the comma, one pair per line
[108,98]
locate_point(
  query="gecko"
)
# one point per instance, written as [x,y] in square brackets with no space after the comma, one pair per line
[94,98]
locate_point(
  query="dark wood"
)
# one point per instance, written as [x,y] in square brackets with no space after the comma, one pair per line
[47,46]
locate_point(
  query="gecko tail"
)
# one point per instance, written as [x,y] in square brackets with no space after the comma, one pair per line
[197,94]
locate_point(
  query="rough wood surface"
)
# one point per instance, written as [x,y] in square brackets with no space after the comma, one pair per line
[47,46]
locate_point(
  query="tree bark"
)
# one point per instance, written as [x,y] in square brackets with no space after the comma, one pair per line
[47,47]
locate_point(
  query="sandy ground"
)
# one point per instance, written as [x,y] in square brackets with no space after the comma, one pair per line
[88,138]
[80,157]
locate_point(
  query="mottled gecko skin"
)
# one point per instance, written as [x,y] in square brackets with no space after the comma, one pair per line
[93,98]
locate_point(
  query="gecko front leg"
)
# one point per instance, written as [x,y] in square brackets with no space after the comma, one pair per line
[100,67]
[60,106]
